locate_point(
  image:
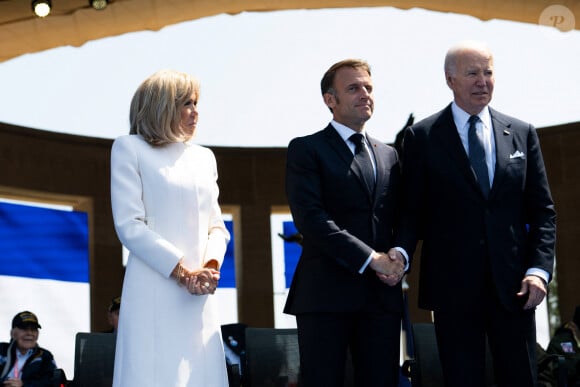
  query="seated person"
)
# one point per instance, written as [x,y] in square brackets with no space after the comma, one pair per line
[22,362]
[566,342]
[113,314]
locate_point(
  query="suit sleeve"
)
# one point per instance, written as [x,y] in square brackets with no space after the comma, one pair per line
[218,235]
[540,212]
[305,191]
[129,212]
[408,231]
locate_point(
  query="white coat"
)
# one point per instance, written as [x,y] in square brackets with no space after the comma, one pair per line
[165,208]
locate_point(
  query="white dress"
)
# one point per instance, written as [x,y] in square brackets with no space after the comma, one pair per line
[165,207]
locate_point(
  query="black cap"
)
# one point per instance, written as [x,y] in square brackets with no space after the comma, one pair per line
[115,304]
[24,320]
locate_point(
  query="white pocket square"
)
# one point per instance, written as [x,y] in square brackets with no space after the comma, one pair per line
[518,155]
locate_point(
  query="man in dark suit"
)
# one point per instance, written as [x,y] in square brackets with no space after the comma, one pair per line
[345,293]
[477,195]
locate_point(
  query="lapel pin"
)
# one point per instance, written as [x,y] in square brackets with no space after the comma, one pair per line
[505,132]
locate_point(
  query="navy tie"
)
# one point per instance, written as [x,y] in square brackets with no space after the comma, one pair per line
[477,156]
[363,159]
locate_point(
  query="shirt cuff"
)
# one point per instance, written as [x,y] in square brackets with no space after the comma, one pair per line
[364,266]
[399,249]
[405,255]
[539,273]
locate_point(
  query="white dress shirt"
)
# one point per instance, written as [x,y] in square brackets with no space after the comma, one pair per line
[484,131]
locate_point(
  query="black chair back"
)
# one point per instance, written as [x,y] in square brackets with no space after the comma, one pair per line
[94,359]
[272,357]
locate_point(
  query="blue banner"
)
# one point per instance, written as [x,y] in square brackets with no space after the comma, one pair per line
[228,268]
[44,243]
[292,252]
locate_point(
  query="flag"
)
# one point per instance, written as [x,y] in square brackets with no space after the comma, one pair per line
[44,268]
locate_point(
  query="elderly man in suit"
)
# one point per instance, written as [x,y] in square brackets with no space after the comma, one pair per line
[477,194]
[342,189]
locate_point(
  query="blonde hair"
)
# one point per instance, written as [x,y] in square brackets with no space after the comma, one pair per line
[155,111]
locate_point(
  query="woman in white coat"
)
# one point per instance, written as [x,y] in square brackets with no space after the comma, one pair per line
[164,198]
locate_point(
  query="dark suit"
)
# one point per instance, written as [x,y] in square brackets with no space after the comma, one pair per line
[38,370]
[342,223]
[476,251]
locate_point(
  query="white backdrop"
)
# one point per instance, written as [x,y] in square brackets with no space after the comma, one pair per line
[260,72]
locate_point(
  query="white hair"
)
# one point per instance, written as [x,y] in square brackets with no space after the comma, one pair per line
[450,65]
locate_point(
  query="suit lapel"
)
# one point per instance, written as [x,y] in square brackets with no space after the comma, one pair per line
[337,143]
[503,147]
[446,131]
[382,170]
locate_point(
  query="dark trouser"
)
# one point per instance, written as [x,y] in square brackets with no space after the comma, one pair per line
[374,341]
[461,338]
